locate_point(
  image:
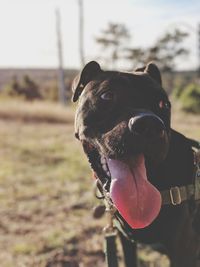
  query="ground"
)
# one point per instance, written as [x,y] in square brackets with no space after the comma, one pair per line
[46,189]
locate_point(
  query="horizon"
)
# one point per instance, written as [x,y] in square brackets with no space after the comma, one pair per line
[44,68]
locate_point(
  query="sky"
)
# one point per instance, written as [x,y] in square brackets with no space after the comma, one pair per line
[28,35]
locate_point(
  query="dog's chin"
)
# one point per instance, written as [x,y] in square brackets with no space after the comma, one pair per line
[126,181]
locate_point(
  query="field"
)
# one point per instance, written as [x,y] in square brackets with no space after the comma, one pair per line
[46,189]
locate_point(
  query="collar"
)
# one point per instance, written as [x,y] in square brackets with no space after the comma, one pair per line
[176,195]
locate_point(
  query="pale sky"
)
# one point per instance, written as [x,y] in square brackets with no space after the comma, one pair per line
[27,28]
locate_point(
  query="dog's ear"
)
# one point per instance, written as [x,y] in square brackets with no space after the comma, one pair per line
[87,74]
[154,72]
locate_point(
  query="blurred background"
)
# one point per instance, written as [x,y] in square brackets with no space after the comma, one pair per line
[46,189]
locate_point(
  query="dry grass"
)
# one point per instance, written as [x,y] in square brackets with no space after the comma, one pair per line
[187,123]
[45,195]
[37,111]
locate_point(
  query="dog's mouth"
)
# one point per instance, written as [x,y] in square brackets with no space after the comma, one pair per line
[135,198]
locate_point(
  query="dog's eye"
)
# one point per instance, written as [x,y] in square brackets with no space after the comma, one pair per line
[164,104]
[107,95]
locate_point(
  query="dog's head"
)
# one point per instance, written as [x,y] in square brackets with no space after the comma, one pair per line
[123,122]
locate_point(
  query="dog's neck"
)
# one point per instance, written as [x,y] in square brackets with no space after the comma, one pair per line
[173,171]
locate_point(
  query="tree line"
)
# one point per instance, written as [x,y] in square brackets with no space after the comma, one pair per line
[166,50]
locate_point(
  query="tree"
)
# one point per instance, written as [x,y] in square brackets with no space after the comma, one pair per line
[190,98]
[28,89]
[136,56]
[113,40]
[165,51]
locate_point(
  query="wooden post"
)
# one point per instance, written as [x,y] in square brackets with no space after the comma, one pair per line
[199,50]
[61,76]
[81,33]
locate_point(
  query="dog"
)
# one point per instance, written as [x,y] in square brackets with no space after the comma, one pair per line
[147,168]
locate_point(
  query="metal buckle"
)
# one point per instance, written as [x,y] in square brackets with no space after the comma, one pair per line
[175,195]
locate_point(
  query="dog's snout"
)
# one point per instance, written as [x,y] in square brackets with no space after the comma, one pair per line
[148,125]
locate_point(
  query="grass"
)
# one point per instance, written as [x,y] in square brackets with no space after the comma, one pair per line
[36,111]
[46,189]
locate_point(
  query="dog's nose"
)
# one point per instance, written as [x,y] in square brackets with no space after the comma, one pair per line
[147,124]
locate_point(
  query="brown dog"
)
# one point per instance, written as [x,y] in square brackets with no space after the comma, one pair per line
[145,167]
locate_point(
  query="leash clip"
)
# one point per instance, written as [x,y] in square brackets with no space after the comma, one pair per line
[110,229]
[175,195]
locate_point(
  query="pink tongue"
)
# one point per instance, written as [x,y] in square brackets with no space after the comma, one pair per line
[136,199]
